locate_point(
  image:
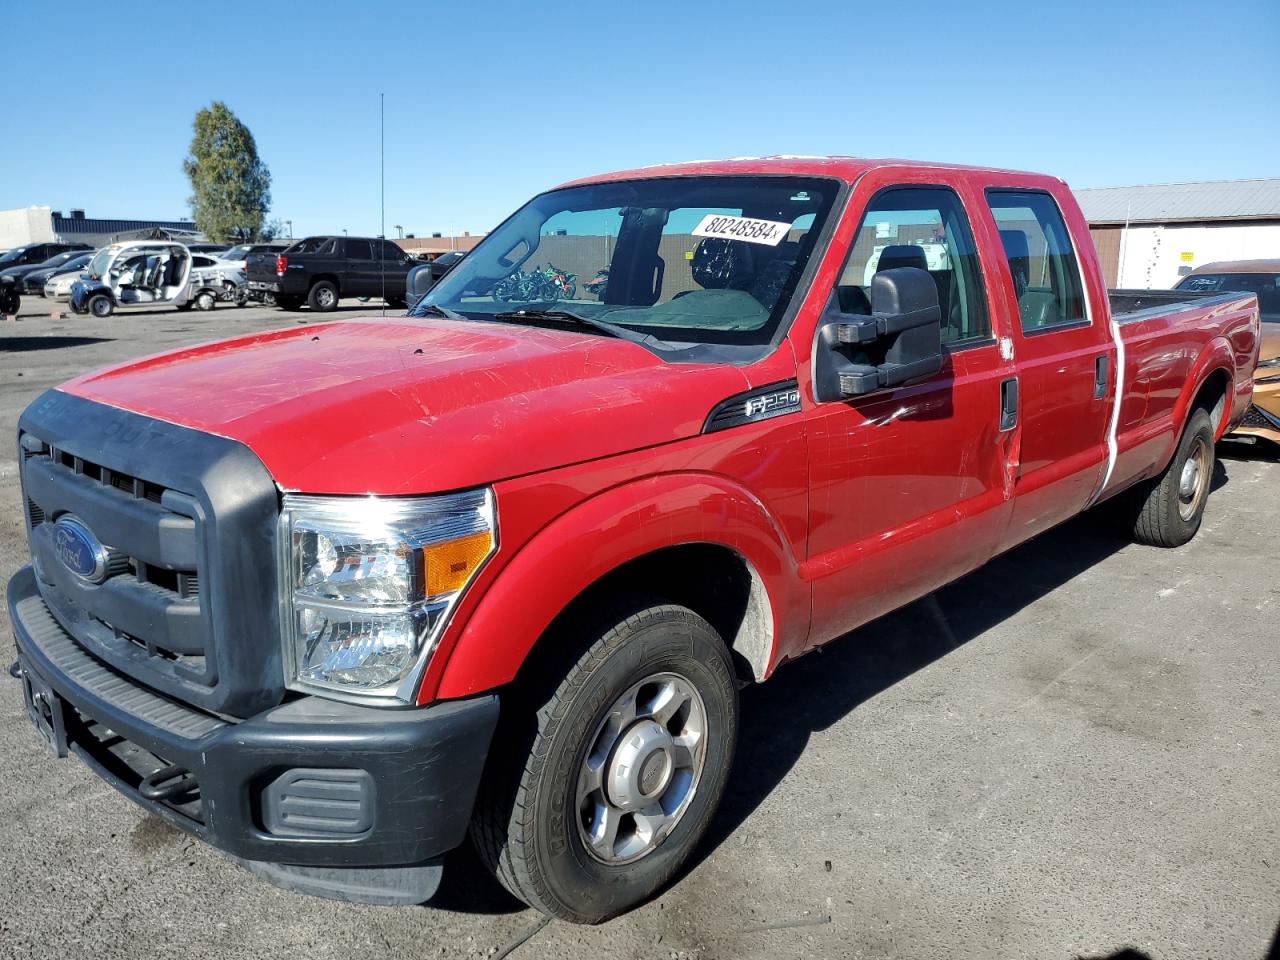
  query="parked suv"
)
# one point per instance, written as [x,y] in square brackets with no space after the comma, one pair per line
[320,271]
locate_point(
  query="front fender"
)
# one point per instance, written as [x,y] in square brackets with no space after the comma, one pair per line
[82,290]
[599,535]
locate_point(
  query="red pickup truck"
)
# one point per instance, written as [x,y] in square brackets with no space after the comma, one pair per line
[332,597]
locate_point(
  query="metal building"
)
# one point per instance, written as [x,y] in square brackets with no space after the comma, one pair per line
[1148,236]
[43,224]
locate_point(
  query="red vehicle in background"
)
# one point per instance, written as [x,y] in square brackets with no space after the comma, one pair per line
[330,598]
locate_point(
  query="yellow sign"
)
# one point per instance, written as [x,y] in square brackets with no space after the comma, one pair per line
[1186,256]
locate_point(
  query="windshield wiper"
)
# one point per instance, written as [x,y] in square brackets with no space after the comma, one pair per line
[612,329]
[434,310]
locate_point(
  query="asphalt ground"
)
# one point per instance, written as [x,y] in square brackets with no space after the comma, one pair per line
[1070,753]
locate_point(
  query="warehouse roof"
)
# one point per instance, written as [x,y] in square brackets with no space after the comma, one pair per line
[1165,202]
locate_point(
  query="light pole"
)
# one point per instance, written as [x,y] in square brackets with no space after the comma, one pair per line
[289,224]
[399,232]
[344,231]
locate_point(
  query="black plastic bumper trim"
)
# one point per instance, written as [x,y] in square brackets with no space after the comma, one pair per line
[426,762]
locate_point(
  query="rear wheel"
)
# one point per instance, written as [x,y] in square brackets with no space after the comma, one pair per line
[602,784]
[205,300]
[101,306]
[1171,508]
[323,296]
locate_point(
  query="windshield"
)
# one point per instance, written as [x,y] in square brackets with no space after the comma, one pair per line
[12,255]
[236,253]
[76,262]
[1265,285]
[681,259]
[98,265]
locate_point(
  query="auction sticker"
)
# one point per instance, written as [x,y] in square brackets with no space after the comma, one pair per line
[769,232]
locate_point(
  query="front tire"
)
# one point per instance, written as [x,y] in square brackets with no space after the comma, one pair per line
[205,300]
[1171,508]
[101,306]
[607,779]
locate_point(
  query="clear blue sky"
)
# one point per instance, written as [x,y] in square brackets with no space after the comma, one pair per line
[488,103]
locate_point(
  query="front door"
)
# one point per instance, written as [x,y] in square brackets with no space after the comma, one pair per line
[908,485]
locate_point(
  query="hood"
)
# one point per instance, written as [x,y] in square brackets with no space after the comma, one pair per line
[1269,345]
[398,406]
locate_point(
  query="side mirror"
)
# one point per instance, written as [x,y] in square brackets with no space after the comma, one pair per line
[900,341]
[419,281]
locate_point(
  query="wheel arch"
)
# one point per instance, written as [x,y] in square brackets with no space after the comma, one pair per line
[1209,385]
[667,537]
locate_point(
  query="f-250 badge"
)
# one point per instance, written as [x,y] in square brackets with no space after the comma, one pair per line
[771,404]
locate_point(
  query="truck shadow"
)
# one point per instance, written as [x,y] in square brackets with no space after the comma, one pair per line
[26,344]
[813,693]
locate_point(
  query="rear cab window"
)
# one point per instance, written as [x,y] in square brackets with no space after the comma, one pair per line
[1042,263]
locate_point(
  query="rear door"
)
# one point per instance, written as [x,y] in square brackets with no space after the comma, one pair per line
[907,485]
[1065,360]
[362,270]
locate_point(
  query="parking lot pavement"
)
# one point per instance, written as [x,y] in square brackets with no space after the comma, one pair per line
[1069,753]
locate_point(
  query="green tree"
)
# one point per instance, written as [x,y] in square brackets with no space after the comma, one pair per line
[230,185]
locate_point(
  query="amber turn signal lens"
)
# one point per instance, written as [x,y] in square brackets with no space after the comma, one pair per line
[449,565]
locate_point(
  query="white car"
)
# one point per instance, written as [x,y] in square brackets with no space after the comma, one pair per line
[58,287]
[216,272]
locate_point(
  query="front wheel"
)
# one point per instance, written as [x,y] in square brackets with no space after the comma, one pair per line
[205,300]
[101,306]
[603,784]
[1170,509]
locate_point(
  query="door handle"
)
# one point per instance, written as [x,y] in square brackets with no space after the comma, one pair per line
[1101,376]
[1008,404]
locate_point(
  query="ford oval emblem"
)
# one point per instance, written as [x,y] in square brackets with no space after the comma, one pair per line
[79,550]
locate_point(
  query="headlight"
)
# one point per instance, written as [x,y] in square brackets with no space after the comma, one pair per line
[370,581]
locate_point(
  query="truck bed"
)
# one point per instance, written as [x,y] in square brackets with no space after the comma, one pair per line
[1127,305]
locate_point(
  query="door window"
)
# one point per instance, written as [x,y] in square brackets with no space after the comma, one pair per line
[922,227]
[1046,276]
[359,250]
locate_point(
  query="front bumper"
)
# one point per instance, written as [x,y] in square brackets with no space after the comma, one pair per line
[1263,417]
[330,798]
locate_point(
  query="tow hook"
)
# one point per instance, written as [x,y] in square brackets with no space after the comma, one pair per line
[166,783]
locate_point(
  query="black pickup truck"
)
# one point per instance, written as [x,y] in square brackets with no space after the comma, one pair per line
[320,271]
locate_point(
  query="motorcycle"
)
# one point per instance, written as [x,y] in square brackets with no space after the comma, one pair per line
[597,284]
[10,299]
[558,284]
[548,284]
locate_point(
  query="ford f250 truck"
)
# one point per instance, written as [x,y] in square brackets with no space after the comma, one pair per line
[332,598]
